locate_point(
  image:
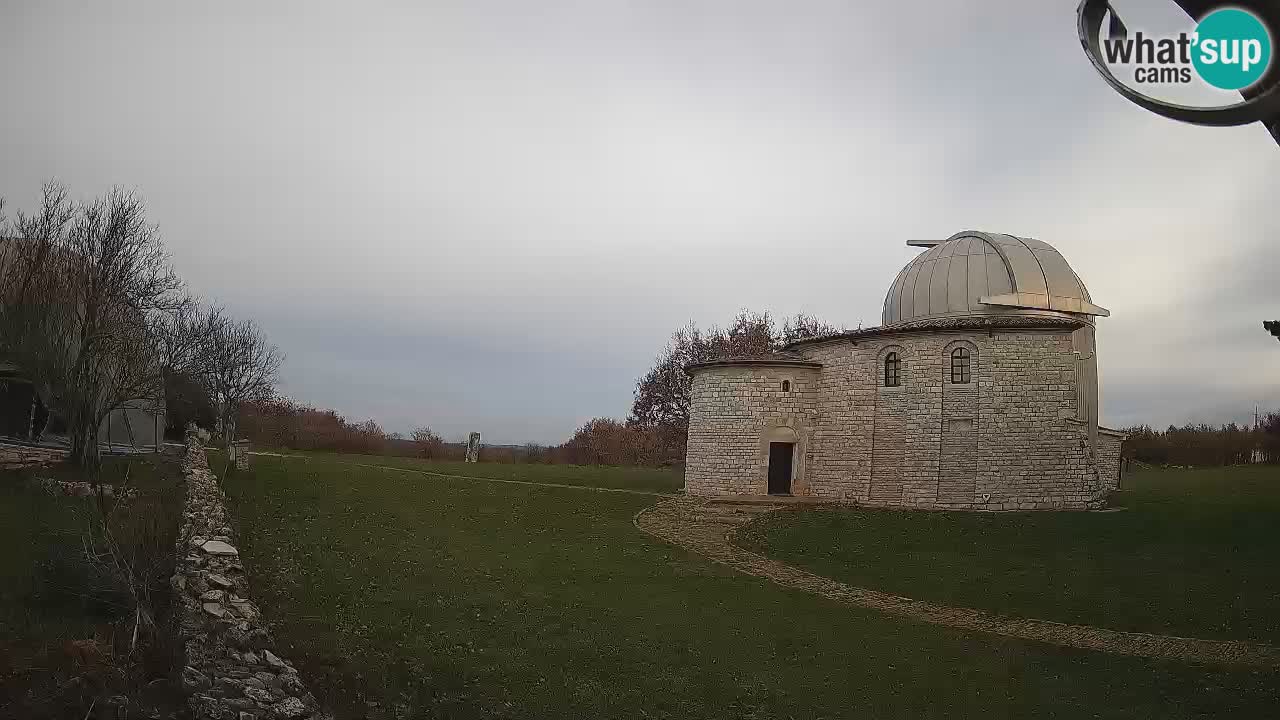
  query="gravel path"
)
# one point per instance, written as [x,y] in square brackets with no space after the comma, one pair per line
[706,527]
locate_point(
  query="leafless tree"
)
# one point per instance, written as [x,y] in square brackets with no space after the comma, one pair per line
[804,327]
[184,334]
[241,366]
[661,402]
[85,285]
[430,445]
[184,338]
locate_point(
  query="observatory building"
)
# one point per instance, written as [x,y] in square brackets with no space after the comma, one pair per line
[978,391]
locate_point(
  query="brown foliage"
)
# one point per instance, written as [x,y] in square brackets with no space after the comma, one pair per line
[430,445]
[661,404]
[604,441]
[282,423]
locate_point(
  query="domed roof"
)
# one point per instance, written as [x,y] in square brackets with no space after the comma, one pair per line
[982,273]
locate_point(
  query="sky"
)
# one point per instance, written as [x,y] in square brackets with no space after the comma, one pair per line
[491,215]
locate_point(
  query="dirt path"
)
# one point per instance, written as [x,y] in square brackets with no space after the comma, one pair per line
[706,527]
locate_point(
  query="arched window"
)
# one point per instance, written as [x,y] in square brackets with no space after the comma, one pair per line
[960,365]
[892,368]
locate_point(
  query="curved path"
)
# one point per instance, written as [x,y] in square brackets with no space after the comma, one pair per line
[706,527]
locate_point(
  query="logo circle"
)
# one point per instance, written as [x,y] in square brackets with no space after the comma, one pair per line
[1233,49]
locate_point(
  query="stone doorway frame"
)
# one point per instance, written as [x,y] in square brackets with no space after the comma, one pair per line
[785,431]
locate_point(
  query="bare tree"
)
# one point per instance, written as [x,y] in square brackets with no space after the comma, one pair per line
[84,287]
[662,396]
[430,445]
[241,366]
[183,336]
[804,327]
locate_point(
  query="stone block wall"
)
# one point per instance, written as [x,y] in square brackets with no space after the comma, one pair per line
[240,454]
[734,413]
[232,669]
[1032,457]
[1007,440]
[1110,443]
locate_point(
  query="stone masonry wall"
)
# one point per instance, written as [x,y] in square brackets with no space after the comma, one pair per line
[1109,446]
[232,671]
[734,413]
[1004,441]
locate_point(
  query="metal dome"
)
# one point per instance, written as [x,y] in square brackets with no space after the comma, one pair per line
[982,273]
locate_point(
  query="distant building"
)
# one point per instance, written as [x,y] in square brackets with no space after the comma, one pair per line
[23,416]
[978,391]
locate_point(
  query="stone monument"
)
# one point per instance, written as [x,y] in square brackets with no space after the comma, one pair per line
[473,447]
[240,454]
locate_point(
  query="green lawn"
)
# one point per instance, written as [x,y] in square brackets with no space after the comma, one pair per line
[51,596]
[469,599]
[626,478]
[1195,553]
[41,538]
[43,594]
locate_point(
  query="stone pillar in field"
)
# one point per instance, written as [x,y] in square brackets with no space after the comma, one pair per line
[473,447]
[240,454]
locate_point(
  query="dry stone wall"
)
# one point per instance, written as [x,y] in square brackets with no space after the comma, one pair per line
[233,671]
[1007,440]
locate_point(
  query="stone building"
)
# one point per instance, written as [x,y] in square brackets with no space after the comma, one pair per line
[138,424]
[978,391]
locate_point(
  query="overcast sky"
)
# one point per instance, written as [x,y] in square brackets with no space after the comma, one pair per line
[491,215]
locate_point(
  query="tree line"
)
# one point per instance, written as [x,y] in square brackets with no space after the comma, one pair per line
[1206,445]
[93,314]
[654,433]
[284,423]
[656,430]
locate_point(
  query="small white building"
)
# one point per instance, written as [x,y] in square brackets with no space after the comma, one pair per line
[139,425]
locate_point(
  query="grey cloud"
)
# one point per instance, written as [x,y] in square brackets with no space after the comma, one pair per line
[491,215]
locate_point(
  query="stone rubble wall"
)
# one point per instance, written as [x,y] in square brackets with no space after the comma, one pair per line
[232,669]
[16,457]
[71,488]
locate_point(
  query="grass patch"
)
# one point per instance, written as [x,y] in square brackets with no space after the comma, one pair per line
[1193,554]
[601,476]
[65,622]
[466,599]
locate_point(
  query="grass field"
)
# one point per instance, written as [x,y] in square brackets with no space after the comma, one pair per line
[1194,553]
[623,478]
[42,587]
[51,596]
[468,599]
